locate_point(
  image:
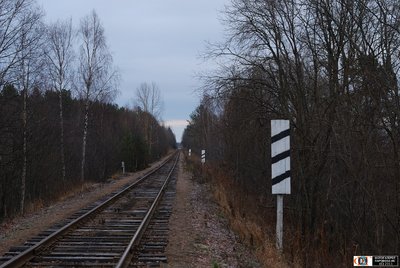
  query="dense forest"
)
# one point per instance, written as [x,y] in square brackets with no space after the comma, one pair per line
[58,125]
[332,69]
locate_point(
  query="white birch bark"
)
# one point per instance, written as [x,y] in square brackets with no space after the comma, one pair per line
[95,70]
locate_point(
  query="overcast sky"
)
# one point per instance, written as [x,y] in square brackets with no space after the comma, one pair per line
[154,41]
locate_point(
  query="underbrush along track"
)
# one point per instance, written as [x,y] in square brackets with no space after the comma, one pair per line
[110,233]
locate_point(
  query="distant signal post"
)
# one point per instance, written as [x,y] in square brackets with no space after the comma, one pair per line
[280,160]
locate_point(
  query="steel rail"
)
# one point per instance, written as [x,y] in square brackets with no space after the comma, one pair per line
[128,253]
[29,253]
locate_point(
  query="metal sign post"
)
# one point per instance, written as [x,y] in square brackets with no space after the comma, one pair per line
[203,156]
[280,160]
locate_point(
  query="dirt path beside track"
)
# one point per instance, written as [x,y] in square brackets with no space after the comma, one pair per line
[199,233]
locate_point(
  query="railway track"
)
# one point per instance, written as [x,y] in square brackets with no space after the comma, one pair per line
[128,229]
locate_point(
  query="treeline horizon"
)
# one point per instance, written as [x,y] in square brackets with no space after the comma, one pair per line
[332,68]
[58,124]
[115,134]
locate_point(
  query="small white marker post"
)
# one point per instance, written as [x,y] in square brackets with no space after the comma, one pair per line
[203,156]
[190,152]
[280,160]
[123,167]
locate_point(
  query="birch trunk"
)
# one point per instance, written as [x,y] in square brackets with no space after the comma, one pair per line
[23,176]
[94,70]
[84,140]
[62,137]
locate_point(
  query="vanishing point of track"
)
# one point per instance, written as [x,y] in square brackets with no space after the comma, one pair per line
[129,229]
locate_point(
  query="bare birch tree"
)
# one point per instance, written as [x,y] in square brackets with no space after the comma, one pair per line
[148,98]
[98,79]
[26,73]
[59,56]
[12,21]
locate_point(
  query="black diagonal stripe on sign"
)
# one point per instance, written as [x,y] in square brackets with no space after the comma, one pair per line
[280,156]
[280,135]
[281,177]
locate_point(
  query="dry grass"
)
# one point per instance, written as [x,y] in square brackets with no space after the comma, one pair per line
[116,176]
[76,189]
[73,190]
[254,225]
[251,229]
[35,206]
